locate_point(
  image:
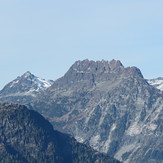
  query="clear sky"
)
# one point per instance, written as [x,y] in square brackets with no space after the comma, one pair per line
[47,37]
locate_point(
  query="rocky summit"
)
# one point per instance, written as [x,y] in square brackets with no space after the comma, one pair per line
[26,137]
[108,106]
[24,88]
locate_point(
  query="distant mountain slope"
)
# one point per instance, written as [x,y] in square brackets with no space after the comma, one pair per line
[26,137]
[24,88]
[108,106]
[158,83]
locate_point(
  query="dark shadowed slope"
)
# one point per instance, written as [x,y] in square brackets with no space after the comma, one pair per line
[26,137]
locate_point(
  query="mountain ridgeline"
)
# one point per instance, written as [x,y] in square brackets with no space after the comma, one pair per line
[24,88]
[26,137]
[107,106]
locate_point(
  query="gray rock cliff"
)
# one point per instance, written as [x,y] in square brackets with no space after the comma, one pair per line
[109,107]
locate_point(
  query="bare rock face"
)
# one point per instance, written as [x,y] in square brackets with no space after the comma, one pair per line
[85,74]
[109,107]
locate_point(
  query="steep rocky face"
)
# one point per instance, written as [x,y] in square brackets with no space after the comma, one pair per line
[109,107]
[85,74]
[26,137]
[158,83]
[24,88]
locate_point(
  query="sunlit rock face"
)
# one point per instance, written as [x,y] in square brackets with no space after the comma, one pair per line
[108,106]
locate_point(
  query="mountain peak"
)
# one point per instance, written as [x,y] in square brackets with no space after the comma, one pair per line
[114,109]
[87,73]
[94,67]
[25,85]
[27,74]
[89,64]
[115,63]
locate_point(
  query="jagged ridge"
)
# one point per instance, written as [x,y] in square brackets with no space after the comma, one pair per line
[108,106]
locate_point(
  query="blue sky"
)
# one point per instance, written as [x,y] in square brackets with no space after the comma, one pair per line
[47,37]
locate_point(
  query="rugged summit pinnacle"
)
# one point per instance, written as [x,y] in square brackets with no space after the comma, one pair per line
[97,66]
[86,74]
[27,75]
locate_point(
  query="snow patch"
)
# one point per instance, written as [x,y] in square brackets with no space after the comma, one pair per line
[43,83]
[79,71]
[158,83]
[31,84]
[13,83]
